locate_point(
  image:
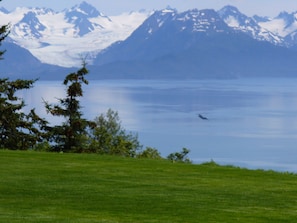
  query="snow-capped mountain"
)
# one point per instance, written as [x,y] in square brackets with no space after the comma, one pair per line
[200,21]
[282,25]
[61,38]
[156,20]
[83,10]
[242,23]
[164,32]
[29,26]
[196,43]
[20,63]
[79,16]
[164,41]
[285,26]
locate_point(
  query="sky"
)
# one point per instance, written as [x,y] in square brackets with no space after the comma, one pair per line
[269,8]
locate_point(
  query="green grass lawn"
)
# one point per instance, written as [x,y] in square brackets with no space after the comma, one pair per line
[51,187]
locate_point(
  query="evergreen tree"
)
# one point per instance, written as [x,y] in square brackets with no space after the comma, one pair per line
[4,31]
[18,130]
[71,136]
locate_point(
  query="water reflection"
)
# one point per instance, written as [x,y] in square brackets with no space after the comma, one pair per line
[252,123]
[98,99]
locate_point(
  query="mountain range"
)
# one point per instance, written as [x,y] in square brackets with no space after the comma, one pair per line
[161,44]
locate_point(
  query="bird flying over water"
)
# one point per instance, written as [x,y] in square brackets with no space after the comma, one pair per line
[202,117]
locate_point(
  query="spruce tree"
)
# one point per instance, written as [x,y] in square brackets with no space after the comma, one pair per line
[17,130]
[71,136]
[4,31]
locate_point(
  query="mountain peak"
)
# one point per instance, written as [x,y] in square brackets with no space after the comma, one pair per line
[242,23]
[288,18]
[79,15]
[169,9]
[30,25]
[234,18]
[231,11]
[206,20]
[155,21]
[283,14]
[85,9]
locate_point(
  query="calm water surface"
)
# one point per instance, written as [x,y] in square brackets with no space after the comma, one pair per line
[251,122]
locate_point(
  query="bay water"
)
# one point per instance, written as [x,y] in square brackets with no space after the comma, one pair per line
[250,123]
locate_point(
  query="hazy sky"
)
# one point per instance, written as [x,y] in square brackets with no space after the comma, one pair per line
[114,7]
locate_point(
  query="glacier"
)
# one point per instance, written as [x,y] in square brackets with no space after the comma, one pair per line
[63,38]
[58,42]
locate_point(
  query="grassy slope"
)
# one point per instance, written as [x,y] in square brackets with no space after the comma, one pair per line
[47,187]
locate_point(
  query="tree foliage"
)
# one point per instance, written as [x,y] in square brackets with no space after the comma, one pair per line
[18,130]
[109,137]
[180,156]
[4,31]
[71,136]
[149,153]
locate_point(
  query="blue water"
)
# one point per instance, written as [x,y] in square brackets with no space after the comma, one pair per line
[251,122]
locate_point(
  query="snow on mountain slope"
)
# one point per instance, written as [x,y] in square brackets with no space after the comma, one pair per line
[238,21]
[62,38]
[206,20]
[275,26]
[29,26]
[284,24]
